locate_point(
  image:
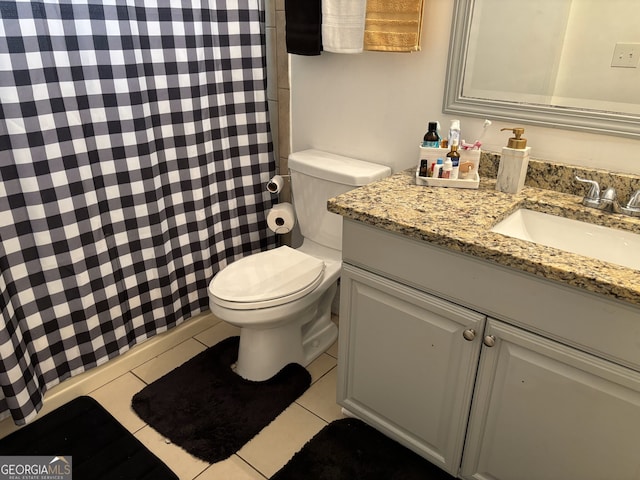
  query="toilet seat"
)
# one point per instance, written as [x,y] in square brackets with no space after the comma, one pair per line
[267,279]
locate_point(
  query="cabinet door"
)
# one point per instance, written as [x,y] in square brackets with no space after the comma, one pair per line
[405,365]
[542,410]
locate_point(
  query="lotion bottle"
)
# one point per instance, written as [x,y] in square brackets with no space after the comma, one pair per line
[437,169]
[513,163]
[447,168]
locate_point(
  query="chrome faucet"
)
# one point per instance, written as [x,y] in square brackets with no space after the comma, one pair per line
[607,202]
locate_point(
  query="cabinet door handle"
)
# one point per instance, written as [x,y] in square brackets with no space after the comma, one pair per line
[489,340]
[469,334]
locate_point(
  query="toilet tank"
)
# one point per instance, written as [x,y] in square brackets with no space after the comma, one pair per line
[316,177]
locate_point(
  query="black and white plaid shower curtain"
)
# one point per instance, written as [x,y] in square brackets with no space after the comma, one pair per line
[134,149]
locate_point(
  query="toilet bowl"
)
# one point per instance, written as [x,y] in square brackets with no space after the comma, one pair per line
[290,320]
[281,298]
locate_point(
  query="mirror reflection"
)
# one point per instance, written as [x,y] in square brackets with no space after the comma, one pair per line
[561,62]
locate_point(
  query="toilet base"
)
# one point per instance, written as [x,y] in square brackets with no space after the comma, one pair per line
[264,352]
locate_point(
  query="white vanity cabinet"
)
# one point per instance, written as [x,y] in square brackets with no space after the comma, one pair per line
[407,364]
[542,410]
[487,372]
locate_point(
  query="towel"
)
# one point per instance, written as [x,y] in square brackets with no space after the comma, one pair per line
[393,25]
[343,25]
[303,29]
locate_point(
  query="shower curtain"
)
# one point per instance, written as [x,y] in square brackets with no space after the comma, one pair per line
[134,149]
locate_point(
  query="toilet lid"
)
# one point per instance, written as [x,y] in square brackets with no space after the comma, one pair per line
[268,278]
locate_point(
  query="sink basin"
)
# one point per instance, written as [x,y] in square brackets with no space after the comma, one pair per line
[608,244]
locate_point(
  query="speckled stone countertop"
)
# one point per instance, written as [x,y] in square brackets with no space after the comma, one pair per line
[461,220]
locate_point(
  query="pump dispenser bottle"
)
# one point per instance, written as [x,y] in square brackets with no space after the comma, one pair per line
[513,163]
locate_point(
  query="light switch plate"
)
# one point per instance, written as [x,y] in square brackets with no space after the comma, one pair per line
[626,55]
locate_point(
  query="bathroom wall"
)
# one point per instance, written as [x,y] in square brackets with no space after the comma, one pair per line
[376,106]
[592,60]
[525,70]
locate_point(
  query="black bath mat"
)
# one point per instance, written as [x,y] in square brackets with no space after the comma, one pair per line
[100,448]
[211,412]
[349,449]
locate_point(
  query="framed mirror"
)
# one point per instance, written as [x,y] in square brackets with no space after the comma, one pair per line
[569,64]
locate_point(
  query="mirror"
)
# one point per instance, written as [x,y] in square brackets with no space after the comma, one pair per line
[552,63]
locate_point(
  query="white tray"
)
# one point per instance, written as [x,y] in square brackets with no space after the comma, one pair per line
[432,154]
[447,182]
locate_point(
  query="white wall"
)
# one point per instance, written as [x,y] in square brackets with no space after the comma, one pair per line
[375,106]
[588,49]
[519,60]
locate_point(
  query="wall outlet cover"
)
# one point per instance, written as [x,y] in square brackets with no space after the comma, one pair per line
[626,55]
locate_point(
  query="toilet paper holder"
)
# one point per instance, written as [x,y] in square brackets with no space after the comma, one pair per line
[281,218]
[276,183]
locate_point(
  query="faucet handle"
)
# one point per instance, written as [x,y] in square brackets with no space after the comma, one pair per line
[633,205]
[592,198]
[634,201]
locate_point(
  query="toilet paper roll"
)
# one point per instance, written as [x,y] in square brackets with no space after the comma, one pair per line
[275,184]
[281,218]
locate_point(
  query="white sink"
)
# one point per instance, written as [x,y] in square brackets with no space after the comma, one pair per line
[608,244]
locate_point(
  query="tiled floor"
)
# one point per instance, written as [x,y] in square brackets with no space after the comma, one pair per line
[264,454]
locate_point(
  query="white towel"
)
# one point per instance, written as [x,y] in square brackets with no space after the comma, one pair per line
[343,25]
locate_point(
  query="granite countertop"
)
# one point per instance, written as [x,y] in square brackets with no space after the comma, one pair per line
[461,220]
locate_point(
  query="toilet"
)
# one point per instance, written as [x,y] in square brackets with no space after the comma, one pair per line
[281,298]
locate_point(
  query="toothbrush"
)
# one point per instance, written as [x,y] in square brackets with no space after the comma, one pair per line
[477,144]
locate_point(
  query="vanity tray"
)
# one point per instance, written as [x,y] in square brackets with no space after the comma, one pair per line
[432,154]
[447,182]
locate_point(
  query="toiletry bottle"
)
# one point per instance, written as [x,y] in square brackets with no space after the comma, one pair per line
[455,160]
[513,163]
[454,132]
[424,168]
[437,168]
[431,138]
[447,167]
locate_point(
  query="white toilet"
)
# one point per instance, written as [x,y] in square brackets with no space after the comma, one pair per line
[281,299]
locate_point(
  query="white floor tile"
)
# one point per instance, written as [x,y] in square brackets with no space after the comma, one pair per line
[185,466]
[321,398]
[116,397]
[320,366]
[234,468]
[272,448]
[217,333]
[162,364]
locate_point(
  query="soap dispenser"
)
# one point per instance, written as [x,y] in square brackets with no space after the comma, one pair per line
[513,163]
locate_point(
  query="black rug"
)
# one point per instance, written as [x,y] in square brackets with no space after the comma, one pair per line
[349,449]
[100,448]
[211,412]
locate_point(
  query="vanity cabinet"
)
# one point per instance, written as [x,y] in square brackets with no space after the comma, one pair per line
[542,410]
[408,363]
[487,372]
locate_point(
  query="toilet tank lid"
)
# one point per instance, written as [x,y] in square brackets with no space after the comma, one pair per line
[337,168]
